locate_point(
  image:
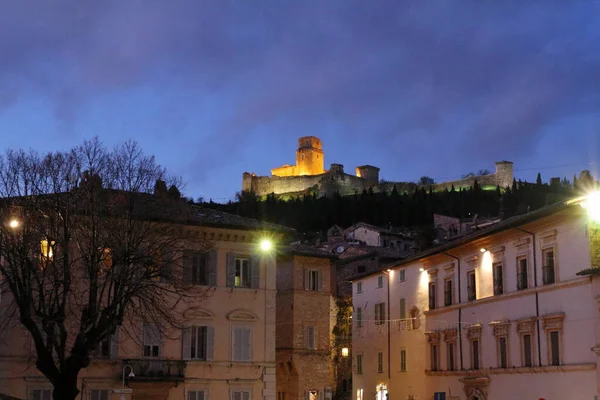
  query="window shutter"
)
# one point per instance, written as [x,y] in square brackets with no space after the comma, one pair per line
[211,260]
[187,268]
[210,343]
[320,282]
[315,338]
[306,279]
[246,395]
[248,344]
[114,343]
[402,308]
[254,271]
[230,269]
[186,343]
[236,343]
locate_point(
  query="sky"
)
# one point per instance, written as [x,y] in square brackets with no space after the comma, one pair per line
[217,88]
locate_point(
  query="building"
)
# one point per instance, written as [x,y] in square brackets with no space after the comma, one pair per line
[375,236]
[226,350]
[305,320]
[506,312]
[309,175]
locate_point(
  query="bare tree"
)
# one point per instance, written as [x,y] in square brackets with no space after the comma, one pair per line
[85,245]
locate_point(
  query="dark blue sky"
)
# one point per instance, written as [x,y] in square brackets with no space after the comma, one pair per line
[216,88]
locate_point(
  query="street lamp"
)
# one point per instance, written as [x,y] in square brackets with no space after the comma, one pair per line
[131,374]
[266,245]
[14,223]
[592,205]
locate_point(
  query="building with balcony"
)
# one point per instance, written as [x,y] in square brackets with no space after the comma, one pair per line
[225,351]
[507,312]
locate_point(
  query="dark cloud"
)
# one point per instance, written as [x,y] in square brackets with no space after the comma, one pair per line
[466,74]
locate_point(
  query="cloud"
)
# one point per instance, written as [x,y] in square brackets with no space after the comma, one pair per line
[467,74]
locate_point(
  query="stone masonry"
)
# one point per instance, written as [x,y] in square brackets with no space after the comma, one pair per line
[309,175]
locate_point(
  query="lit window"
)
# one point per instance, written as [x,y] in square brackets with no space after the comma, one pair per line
[242,273]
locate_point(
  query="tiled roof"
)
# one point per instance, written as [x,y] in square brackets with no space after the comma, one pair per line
[492,229]
[309,251]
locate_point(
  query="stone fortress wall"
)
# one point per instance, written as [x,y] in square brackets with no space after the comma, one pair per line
[309,175]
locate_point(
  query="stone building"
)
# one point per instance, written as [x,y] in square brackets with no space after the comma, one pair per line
[225,351]
[506,312]
[309,175]
[305,319]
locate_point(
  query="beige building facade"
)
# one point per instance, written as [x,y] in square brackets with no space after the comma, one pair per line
[499,314]
[225,351]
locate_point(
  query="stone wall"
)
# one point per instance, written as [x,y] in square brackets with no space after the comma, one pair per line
[336,180]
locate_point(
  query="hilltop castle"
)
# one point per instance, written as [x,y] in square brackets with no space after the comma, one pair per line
[309,175]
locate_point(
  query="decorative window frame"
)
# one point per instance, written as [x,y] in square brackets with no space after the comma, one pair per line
[474,332]
[554,323]
[526,326]
[501,329]
[433,338]
[450,278]
[450,337]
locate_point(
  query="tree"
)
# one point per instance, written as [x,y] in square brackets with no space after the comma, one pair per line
[538,179]
[87,249]
[426,180]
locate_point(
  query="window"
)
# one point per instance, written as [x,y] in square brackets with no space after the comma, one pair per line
[548,270]
[434,357]
[312,395]
[242,272]
[379,282]
[359,394]
[403,308]
[402,273]
[358,287]
[151,340]
[527,351]
[502,353]
[451,356]
[403,360]
[432,302]
[379,313]
[242,344]
[240,395]
[475,354]
[359,317]
[313,280]
[46,252]
[195,395]
[198,342]
[498,279]
[195,268]
[99,394]
[380,362]
[522,273]
[108,347]
[415,321]
[41,394]
[554,348]
[280,395]
[471,286]
[359,358]
[311,338]
[448,294]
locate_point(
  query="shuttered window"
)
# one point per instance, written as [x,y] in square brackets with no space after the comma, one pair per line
[196,395]
[151,340]
[200,268]
[198,343]
[240,395]
[243,271]
[242,344]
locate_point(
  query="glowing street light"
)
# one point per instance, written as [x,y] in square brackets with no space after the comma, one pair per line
[14,223]
[266,245]
[592,206]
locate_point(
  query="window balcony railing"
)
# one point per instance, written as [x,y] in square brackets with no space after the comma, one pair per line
[522,281]
[548,274]
[157,369]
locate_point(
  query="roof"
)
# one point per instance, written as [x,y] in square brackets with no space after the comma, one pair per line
[151,207]
[309,251]
[7,397]
[507,224]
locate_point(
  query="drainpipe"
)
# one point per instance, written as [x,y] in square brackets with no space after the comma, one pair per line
[460,342]
[537,299]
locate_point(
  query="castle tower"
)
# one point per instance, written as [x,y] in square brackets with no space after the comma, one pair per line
[504,173]
[310,159]
[369,173]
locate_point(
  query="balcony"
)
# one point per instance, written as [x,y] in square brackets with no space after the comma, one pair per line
[157,369]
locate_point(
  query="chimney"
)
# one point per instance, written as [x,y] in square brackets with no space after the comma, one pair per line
[174,193]
[160,188]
